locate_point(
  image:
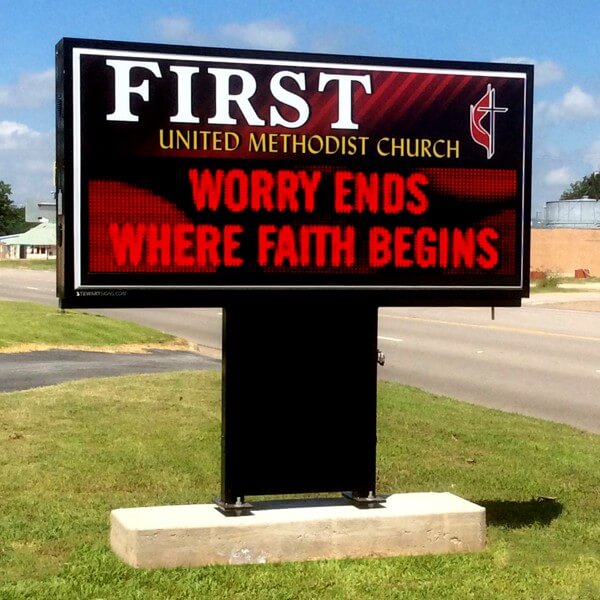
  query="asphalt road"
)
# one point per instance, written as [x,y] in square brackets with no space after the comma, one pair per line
[26,370]
[542,362]
[542,359]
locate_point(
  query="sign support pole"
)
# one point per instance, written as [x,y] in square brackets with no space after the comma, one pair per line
[299,400]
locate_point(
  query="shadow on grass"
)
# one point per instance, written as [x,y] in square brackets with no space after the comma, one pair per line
[517,514]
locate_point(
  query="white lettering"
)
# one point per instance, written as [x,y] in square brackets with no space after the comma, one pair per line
[234,91]
[184,95]
[344,96]
[124,89]
[224,97]
[287,97]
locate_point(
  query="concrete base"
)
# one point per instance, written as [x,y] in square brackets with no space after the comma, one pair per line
[299,530]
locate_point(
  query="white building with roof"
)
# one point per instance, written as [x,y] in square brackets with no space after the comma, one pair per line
[37,243]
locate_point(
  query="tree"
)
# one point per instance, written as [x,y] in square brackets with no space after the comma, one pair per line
[588,186]
[12,218]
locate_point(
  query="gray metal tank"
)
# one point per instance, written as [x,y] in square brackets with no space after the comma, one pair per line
[583,213]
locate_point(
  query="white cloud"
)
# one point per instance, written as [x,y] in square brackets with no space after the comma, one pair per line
[558,177]
[592,155]
[575,105]
[179,30]
[12,134]
[32,90]
[545,71]
[579,104]
[26,158]
[260,34]
[267,34]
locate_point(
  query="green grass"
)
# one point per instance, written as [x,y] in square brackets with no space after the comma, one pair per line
[36,264]
[552,282]
[71,453]
[37,325]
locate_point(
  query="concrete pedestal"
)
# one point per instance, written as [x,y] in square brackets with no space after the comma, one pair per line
[300,530]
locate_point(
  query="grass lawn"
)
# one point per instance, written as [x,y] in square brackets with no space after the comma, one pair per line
[31,326]
[552,283]
[71,453]
[36,264]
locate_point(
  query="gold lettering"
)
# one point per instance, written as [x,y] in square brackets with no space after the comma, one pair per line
[453,149]
[258,143]
[161,139]
[418,147]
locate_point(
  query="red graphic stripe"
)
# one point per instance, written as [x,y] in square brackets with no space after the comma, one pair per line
[381,115]
[382,82]
[442,86]
[474,184]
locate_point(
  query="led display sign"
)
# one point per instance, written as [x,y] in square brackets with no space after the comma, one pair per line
[193,176]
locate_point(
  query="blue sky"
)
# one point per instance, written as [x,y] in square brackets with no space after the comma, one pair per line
[560,38]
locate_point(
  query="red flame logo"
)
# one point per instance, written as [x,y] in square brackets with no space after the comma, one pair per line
[483,114]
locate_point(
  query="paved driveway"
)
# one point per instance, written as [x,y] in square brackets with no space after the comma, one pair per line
[25,370]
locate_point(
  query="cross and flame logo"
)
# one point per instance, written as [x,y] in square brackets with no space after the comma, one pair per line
[486,107]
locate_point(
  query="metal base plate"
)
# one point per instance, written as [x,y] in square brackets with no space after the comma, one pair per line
[370,501]
[235,509]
